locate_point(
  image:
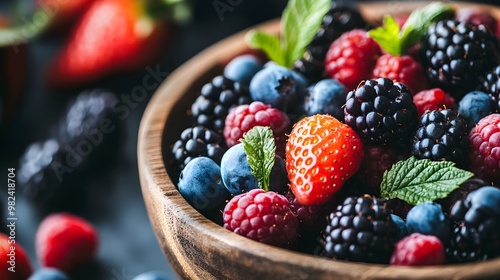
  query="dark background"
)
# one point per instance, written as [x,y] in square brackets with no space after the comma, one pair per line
[128,246]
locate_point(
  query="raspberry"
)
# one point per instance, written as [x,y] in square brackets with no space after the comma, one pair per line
[244,117]
[403,69]
[262,216]
[484,153]
[432,99]
[418,249]
[18,257]
[351,58]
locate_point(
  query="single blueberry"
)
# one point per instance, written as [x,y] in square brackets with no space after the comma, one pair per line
[486,198]
[48,274]
[242,68]
[279,87]
[428,218]
[201,185]
[402,231]
[326,97]
[474,106]
[153,275]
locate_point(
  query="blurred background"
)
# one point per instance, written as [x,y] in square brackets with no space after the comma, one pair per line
[49,63]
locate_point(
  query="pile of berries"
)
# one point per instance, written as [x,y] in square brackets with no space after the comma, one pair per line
[389,151]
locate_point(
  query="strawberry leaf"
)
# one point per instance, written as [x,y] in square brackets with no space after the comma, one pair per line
[300,21]
[260,149]
[416,181]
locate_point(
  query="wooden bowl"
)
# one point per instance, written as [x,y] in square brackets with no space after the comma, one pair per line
[196,247]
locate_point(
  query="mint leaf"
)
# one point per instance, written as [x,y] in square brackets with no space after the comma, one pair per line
[416,181]
[260,149]
[268,43]
[397,41]
[300,21]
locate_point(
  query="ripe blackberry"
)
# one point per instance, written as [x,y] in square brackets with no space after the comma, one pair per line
[361,229]
[441,135]
[463,190]
[216,99]
[338,19]
[381,111]
[491,85]
[456,53]
[475,236]
[195,142]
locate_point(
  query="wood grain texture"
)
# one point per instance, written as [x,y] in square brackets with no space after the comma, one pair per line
[196,247]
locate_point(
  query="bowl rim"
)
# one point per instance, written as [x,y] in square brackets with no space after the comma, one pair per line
[159,191]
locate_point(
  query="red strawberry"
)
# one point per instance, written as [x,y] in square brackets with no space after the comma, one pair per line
[63,14]
[113,36]
[64,241]
[14,262]
[321,154]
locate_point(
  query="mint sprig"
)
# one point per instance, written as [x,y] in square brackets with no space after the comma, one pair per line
[396,41]
[421,180]
[260,148]
[300,21]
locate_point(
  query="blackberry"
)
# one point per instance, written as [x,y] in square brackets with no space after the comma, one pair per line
[195,142]
[441,135]
[338,19]
[491,85]
[361,229]
[463,190]
[381,111]
[216,99]
[456,53]
[476,233]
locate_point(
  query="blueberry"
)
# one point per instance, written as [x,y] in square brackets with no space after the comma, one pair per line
[48,274]
[201,185]
[402,231]
[487,198]
[152,275]
[242,68]
[279,87]
[474,106]
[428,218]
[326,97]
[238,178]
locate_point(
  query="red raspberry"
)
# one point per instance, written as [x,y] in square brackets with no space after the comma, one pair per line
[262,216]
[485,148]
[418,249]
[432,99]
[351,58]
[244,117]
[403,69]
[13,256]
[64,241]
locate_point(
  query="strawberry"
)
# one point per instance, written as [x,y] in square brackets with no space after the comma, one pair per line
[14,262]
[63,14]
[113,36]
[64,241]
[321,154]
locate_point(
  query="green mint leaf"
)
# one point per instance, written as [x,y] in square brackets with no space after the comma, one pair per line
[387,36]
[268,43]
[301,20]
[416,181]
[260,149]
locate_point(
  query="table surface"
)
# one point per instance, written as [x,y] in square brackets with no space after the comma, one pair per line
[127,243]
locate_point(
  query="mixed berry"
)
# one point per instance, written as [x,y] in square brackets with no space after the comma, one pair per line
[381,140]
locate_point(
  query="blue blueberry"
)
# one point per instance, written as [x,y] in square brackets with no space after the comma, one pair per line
[48,274]
[326,97]
[487,198]
[474,106]
[279,87]
[153,275]
[242,68]
[428,218]
[238,178]
[201,185]
[402,231]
